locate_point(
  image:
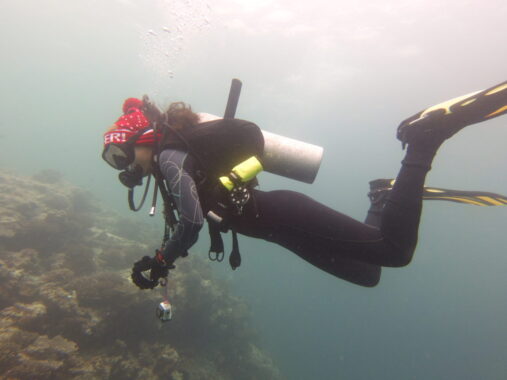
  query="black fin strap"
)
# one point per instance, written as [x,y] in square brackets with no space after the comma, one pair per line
[235,256]
[217,244]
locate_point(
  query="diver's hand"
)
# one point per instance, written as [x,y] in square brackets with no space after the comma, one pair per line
[138,278]
[158,269]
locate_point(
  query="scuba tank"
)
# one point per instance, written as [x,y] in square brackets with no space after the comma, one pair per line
[291,158]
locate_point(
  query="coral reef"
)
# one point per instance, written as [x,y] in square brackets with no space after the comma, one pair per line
[69,311]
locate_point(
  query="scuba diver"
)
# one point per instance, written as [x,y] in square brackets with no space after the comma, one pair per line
[205,168]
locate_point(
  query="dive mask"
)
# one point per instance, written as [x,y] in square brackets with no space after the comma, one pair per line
[119,156]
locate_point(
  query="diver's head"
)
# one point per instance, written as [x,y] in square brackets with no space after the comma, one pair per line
[135,129]
[130,138]
[140,167]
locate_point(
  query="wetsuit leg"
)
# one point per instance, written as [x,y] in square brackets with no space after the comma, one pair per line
[374,216]
[337,243]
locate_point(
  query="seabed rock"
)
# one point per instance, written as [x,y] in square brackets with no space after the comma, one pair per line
[68,309]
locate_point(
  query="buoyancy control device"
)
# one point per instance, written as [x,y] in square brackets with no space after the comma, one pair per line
[241,152]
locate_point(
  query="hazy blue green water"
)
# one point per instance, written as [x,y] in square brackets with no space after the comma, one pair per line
[335,74]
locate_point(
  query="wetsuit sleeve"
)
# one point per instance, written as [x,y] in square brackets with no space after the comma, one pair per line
[174,168]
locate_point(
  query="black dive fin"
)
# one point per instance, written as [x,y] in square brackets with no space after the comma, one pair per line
[477,198]
[455,114]
[380,187]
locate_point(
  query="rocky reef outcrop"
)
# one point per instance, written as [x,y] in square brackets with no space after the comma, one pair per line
[69,311]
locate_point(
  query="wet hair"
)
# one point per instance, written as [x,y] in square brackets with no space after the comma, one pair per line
[180,115]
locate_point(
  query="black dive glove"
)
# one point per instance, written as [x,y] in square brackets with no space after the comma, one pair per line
[158,269]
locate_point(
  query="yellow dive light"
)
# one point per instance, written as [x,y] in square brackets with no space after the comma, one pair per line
[243,172]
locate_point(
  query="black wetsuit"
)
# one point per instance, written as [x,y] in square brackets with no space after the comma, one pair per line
[332,241]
